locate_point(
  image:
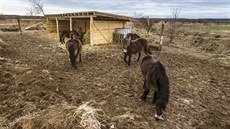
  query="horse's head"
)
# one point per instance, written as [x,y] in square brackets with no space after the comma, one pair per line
[132,36]
[129,36]
[126,43]
[74,34]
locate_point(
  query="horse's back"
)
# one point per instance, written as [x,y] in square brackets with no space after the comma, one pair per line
[73,43]
[147,63]
[150,58]
[65,33]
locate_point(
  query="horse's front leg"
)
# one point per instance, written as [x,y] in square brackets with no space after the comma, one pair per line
[146,91]
[144,85]
[139,55]
[129,59]
[125,56]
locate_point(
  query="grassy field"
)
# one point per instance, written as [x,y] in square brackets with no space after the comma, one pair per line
[218,28]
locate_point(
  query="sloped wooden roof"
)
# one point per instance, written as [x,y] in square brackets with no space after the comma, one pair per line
[95,14]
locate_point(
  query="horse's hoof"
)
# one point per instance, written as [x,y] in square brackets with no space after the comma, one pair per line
[158,117]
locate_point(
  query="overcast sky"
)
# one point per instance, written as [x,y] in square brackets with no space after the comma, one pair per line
[152,8]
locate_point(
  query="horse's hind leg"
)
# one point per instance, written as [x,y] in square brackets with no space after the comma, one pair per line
[129,59]
[139,55]
[154,97]
[146,91]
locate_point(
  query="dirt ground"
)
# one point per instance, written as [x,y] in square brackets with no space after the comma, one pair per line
[36,76]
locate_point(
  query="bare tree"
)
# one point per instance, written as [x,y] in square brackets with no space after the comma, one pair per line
[174,25]
[143,22]
[36,7]
[30,11]
[136,21]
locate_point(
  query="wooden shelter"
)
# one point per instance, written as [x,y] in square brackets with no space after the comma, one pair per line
[101,25]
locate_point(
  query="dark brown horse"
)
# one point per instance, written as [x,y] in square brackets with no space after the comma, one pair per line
[135,46]
[154,74]
[132,36]
[77,34]
[64,34]
[74,48]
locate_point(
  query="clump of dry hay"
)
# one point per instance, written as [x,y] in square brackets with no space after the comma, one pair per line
[86,38]
[66,116]
[126,116]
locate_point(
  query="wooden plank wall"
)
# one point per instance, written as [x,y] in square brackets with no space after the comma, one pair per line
[103,31]
[63,25]
[81,23]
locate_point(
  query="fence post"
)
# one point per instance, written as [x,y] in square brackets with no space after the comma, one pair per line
[19,26]
[57,27]
[161,37]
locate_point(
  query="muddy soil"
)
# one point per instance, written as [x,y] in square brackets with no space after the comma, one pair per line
[36,74]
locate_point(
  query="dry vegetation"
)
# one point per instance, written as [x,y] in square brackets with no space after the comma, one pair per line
[39,89]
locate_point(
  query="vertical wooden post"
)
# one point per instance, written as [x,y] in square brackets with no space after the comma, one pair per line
[57,26]
[70,24]
[47,24]
[19,26]
[161,37]
[91,31]
[108,36]
[123,24]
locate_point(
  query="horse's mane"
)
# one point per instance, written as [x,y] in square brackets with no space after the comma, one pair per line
[137,35]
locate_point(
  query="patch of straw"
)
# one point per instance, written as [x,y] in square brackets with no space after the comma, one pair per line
[86,38]
[66,116]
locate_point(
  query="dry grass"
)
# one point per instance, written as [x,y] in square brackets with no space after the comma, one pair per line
[64,116]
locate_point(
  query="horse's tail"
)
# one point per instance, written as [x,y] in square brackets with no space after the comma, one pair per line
[161,80]
[72,55]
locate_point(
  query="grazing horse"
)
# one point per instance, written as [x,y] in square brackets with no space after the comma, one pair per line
[74,48]
[63,34]
[154,74]
[132,36]
[135,46]
[77,34]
